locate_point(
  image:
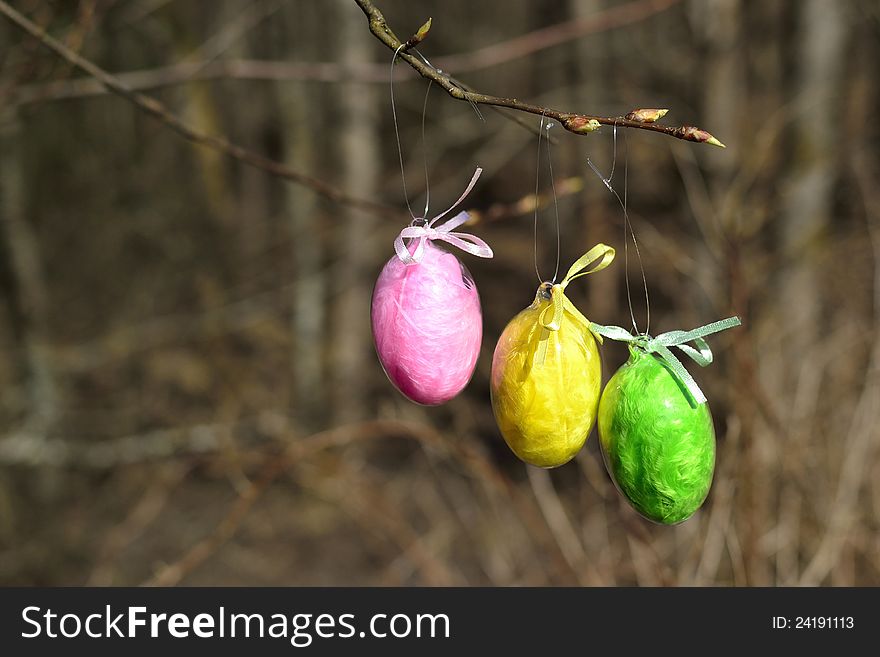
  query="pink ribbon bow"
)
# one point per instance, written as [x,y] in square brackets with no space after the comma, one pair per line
[427,231]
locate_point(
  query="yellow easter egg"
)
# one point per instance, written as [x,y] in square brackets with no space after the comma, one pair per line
[545,398]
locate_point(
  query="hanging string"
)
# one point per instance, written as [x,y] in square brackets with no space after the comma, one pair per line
[421,228]
[397,132]
[628,231]
[537,182]
[555,198]
[425,151]
[424,141]
[555,201]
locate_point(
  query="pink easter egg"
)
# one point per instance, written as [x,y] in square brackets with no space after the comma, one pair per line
[427,325]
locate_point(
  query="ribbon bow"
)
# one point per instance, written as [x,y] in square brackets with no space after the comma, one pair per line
[551,318]
[661,344]
[424,230]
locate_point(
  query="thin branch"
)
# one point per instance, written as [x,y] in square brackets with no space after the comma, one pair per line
[374,72]
[157,110]
[563,532]
[136,11]
[142,514]
[576,123]
[553,35]
[277,463]
[367,504]
[198,71]
[269,440]
[527,204]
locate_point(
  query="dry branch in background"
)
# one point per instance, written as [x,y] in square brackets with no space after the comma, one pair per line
[275,463]
[157,110]
[483,57]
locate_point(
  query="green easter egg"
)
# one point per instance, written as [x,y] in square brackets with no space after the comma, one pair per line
[657,443]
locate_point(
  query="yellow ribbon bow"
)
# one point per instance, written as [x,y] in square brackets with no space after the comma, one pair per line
[600,256]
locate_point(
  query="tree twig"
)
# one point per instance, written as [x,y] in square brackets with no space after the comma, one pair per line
[277,463]
[157,110]
[484,57]
[553,35]
[573,122]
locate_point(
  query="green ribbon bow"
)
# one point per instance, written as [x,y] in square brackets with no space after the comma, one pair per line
[601,255]
[660,345]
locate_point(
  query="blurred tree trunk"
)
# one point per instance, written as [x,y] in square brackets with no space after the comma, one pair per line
[196,103]
[308,319]
[807,205]
[772,494]
[28,296]
[360,155]
[723,84]
[598,220]
[723,87]
[725,91]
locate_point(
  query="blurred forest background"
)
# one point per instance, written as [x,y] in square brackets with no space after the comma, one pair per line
[188,388]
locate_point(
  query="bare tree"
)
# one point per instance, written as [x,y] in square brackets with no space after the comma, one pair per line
[360,155]
[309,314]
[29,296]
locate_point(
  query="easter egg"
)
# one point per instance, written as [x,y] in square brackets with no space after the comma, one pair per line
[427,325]
[545,403]
[657,443]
